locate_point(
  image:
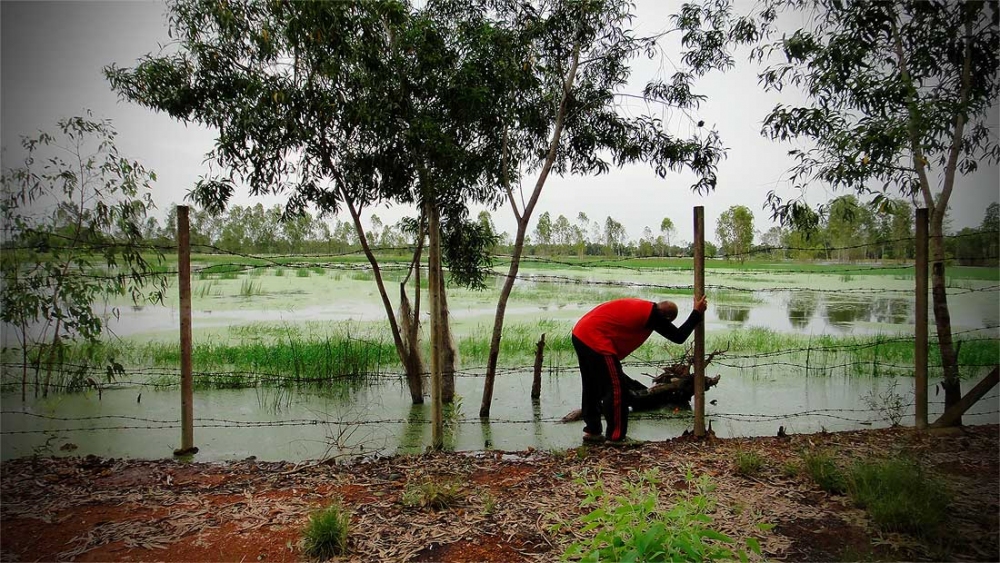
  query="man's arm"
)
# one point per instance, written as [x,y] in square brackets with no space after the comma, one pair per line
[673,333]
[666,328]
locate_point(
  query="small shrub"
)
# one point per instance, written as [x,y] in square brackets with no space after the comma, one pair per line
[302,272]
[749,463]
[326,534]
[899,496]
[889,404]
[431,494]
[824,471]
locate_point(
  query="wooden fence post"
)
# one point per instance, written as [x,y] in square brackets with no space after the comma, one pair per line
[434,285]
[536,382]
[920,323]
[184,284]
[699,331]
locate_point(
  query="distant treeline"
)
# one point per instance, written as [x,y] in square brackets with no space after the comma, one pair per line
[845,231]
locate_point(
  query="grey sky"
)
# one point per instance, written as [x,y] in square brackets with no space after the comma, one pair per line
[53,52]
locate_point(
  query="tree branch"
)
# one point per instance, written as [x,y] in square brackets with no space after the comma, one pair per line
[919,160]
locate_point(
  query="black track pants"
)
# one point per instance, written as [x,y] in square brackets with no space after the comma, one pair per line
[604,391]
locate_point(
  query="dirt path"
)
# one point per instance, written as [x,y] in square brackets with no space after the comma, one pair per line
[91,509]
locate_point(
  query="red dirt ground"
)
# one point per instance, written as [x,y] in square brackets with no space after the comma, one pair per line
[92,509]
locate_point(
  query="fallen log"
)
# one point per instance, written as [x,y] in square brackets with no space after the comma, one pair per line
[673,387]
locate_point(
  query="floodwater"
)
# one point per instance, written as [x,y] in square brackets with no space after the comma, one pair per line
[788,303]
[274,424]
[235,424]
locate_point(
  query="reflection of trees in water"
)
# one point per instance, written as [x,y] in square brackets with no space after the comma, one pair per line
[891,310]
[843,313]
[801,307]
[733,313]
[412,439]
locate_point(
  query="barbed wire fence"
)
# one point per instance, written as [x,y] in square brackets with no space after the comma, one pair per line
[160,378]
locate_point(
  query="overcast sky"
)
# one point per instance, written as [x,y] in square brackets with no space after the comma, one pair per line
[53,53]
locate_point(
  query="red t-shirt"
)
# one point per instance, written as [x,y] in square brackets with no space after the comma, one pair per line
[617,327]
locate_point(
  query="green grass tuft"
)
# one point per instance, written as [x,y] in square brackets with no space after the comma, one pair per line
[432,494]
[899,496]
[824,471]
[326,534]
[749,463]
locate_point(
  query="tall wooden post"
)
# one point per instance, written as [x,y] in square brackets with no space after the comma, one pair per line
[434,284]
[184,284]
[920,322]
[699,331]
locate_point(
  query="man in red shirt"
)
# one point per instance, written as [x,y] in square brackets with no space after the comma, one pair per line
[603,338]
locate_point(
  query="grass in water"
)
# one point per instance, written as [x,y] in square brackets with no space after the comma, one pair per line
[249,288]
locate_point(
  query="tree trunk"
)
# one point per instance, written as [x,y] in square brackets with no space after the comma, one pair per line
[434,259]
[447,344]
[942,317]
[522,227]
[401,350]
[409,318]
[413,363]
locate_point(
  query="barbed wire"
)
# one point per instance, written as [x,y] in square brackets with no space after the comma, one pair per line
[159,424]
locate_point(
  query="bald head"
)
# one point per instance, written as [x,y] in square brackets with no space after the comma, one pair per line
[668,309]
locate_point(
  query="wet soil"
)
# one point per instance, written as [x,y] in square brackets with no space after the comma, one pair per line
[506,506]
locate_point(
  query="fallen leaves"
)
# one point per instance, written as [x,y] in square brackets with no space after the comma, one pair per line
[521,500]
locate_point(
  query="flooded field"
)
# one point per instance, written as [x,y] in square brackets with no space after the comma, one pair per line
[753,398]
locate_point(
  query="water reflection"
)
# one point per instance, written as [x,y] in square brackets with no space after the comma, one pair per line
[892,310]
[733,313]
[412,438]
[801,307]
[842,313]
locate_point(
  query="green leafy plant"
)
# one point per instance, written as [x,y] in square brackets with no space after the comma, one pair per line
[72,219]
[327,531]
[636,527]
[432,494]
[899,496]
[489,503]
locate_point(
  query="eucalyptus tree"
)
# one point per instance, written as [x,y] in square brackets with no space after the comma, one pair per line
[848,223]
[668,230]
[899,97]
[346,105]
[734,230]
[615,237]
[543,230]
[568,120]
[73,217]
